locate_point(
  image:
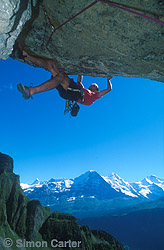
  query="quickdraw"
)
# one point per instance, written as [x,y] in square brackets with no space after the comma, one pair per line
[68,106]
[72,107]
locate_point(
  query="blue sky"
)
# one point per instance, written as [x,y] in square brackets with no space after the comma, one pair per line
[122,132]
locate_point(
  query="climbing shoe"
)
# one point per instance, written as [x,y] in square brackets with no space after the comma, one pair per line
[24,91]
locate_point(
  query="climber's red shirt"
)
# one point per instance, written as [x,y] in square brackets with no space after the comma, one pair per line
[89,97]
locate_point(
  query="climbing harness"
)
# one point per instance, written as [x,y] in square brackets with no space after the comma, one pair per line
[72,106]
[78,90]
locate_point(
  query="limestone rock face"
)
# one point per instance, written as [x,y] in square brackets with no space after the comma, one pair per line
[102,40]
[13,15]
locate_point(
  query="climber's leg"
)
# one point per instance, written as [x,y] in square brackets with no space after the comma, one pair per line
[27,92]
[52,68]
[42,62]
[51,84]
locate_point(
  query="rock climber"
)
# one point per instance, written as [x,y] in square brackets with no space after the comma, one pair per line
[67,88]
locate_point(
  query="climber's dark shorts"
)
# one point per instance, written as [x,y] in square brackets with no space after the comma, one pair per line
[73,93]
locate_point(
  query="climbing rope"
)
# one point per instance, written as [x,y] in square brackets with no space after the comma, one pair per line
[119,6]
[61,25]
[133,12]
[53,29]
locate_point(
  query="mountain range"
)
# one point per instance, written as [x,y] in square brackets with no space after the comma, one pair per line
[150,187]
[25,224]
[91,194]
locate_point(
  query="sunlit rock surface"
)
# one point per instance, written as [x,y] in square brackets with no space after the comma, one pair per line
[13,15]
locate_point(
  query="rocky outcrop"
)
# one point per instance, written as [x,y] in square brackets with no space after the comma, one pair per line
[6,163]
[19,217]
[101,41]
[65,227]
[22,219]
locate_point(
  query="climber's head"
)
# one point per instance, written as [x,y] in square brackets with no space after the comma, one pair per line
[94,87]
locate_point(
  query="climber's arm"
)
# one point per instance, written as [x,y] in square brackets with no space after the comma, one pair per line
[109,88]
[79,80]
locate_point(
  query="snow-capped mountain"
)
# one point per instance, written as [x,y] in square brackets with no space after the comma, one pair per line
[91,192]
[151,187]
[92,184]
[119,184]
[88,185]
